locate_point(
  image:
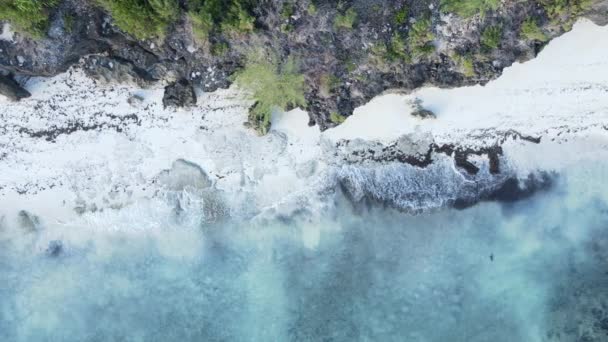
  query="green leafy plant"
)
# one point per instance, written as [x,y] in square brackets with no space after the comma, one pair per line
[402,15]
[312,9]
[466,65]
[397,49]
[531,31]
[272,86]
[336,118]
[30,16]
[420,39]
[469,8]
[565,12]
[345,20]
[491,37]
[68,22]
[222,16]
[143,19]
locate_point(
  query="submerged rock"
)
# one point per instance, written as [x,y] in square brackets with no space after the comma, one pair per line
[184,175]
[179,94]
[54,249]
[28,221]
[420,112]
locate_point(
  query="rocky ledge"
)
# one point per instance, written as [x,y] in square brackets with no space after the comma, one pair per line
[346,52]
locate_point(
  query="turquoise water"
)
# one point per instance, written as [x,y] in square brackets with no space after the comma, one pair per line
[534,270]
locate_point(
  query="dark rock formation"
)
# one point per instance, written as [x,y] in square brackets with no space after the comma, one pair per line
[420,112]
[54,249]
[179,94]
[11,89]
[344,65]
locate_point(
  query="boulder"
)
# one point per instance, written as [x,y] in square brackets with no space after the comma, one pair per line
[179,94]
[11,89]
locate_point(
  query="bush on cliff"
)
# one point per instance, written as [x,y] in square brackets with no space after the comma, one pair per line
[223,16]
[143,19]
[31,16]
[469,8]
[531,31]
[272,86]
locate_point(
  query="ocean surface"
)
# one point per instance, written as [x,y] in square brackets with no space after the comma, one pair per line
[529,270]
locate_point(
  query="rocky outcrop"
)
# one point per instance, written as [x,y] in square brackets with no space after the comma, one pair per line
[348,51]
[11,89]
[179,94]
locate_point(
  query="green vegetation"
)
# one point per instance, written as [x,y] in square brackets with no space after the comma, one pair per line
[336,118]
[220,49]
[465,63]
[327,84]
[402,15]
[469,8]
[223,16]
[288,10]
[68,22]
[491,37]
[531,31]
[565,11]
[272,86]
[30,16]
[312,9]
[397,49]
[420,40]
[345,20]
[143,19]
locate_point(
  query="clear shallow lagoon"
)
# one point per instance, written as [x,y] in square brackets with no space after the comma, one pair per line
[535,270]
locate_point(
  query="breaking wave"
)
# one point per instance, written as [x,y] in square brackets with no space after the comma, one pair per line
[153,272]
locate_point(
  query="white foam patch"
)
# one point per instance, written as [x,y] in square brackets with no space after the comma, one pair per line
[566,85]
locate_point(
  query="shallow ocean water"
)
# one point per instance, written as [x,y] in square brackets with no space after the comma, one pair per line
[533,270]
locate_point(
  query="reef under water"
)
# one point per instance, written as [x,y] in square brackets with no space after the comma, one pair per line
[529,270]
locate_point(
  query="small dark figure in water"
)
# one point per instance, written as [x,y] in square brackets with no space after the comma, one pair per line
[492,257]
[55,248]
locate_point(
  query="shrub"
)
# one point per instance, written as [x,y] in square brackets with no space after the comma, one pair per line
[397,49]
[531,31]
[336,118]
[272,86]
[68,22]
[402,15]
[421,38]
[465,63]
[30,16]
[565,11]
[312,9]
[327,84]
[227,16]
[469,8]
[491,36]
[143,19]
[346,20]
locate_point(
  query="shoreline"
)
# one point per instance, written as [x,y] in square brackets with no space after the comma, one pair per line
[102,152]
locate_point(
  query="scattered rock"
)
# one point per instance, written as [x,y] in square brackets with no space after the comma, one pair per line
[179,94]
[11,89]
[420,112]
